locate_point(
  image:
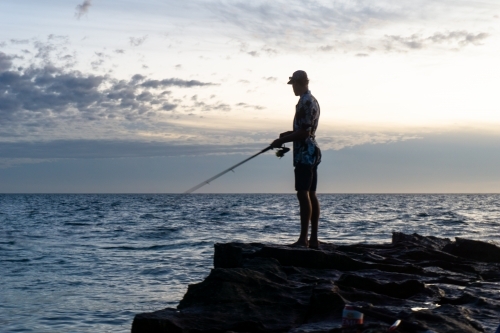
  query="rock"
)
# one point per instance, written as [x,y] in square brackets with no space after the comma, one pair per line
[404,289]
[474,250]
[428,282]
[429,242]
[446,319]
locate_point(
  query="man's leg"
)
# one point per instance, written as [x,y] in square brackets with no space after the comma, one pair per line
[305,216]
[313,241]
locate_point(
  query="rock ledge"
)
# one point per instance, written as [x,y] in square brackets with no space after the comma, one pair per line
[430,283]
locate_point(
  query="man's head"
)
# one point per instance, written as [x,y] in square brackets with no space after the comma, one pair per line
[299,82]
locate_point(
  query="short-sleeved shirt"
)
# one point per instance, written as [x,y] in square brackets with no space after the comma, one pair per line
[306,151]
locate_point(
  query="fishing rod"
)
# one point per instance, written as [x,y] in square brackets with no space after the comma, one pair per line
[280,153]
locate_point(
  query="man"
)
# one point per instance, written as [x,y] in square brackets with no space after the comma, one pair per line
[306,157]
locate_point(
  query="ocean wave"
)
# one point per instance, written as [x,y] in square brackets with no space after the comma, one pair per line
[79,260]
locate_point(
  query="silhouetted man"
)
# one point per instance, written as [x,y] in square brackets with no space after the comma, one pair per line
[306,157]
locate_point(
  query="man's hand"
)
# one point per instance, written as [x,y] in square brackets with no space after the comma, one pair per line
[279,142]
[276,143]
[289,137]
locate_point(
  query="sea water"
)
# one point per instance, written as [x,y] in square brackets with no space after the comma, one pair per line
[89,263]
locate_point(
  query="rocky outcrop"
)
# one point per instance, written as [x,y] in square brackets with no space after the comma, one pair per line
[429,283]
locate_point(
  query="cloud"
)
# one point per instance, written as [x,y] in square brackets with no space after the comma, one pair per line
[278,21]
[137,41]
[6,163]
[53,50]
[5,62]
[59,149]
[168,106]
[416,41]
[101,59]
[52,97]
[204,107]
[350,139]
[326,48]
[249,106]
[83,8]
[20,41]
[244,49]
[270,78]
[461,37]
[174,82]
[269,51]
[357,26]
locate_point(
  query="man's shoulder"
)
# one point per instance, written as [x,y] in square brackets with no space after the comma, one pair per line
[306,97]
[308,100]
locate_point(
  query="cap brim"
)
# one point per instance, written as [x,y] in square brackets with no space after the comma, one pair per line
[291,80]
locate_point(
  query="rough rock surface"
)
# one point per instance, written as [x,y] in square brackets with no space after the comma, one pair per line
[429,283]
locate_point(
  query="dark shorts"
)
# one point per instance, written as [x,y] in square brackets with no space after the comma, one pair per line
[306,177]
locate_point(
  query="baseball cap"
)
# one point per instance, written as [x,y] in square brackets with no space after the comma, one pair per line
[298,76]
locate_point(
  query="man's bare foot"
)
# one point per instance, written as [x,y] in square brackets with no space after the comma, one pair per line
[314,244]
[300,243]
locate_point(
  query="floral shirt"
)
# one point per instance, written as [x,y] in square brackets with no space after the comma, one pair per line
[306,117]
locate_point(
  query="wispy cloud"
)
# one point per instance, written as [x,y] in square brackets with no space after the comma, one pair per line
[326,48]
[282,21]
[173,82]
[357,26]
[54,50]
[347,140]
[20,41]
[456,39]
[198,105]
[137,41]
[250,106]
[447,40]
[83,8]
[100,59]
[269,50]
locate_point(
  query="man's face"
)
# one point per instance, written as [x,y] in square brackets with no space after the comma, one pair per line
[296,88]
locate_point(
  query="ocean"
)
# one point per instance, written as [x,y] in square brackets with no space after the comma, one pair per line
[90,262]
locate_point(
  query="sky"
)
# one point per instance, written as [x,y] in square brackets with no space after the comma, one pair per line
[100,96]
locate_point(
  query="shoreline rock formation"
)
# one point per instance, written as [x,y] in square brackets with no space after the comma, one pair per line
[431,284]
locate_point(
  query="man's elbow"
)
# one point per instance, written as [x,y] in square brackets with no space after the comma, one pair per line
[304,134]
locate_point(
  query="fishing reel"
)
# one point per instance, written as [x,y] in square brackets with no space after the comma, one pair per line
[281,151]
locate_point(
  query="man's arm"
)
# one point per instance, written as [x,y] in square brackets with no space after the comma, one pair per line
[297,135]
[285,133]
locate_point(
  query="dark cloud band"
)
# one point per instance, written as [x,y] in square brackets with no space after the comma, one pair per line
[112,149]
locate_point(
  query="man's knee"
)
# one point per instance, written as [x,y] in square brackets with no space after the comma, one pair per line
[303,195]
